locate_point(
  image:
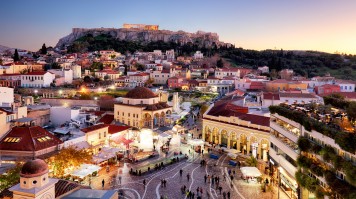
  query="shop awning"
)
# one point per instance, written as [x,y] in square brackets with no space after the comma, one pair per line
[196,142]
[250,172]
[85,170]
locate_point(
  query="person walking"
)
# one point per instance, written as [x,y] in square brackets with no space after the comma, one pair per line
[228,195]
[144,183]
[188,177]
[224,195]
[181,172]
[102,183]
[205,178]
[119,179]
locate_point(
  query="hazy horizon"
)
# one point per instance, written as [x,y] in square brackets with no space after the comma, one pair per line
[326,26]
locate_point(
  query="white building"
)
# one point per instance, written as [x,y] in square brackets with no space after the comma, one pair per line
[7,96]
[37,79]
[346,85]
[170,55]
[198,55]
[59,115]
[138,79]
[263,69]
[223,72]
[161,76]
[67,74]
[77,71]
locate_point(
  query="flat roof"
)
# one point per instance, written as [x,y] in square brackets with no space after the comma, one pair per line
[91,193]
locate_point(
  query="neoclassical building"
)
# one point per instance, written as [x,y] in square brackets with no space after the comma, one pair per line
[230,125]
[142,108]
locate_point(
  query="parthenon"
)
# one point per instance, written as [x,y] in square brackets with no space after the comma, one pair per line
[140,26]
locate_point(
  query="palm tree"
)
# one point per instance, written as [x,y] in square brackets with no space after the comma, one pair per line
[252,161]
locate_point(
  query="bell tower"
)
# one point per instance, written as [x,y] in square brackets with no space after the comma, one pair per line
[34,182]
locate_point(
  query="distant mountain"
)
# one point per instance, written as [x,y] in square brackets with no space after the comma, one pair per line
[4,48]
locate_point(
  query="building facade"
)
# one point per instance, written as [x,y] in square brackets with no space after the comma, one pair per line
[142,108]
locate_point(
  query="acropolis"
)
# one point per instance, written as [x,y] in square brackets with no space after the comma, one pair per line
[140,26]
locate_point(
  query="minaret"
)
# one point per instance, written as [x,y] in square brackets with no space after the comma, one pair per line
[34,182]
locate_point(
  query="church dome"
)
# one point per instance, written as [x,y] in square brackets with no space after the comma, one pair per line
[34,168]
[140,93]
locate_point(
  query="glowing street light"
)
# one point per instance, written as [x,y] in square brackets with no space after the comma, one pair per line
[60,92]
[95,98]
[112,87]
[36,91]
[100,89]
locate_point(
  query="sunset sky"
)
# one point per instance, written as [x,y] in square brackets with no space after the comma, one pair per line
[322,25]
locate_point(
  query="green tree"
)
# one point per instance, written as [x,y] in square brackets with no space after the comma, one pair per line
[96,66]
[55,65]
[16,56]
[106,77]
[87,79]
[43,50]
[10,177]
[252,161]
[220,63]
[68,157]
[140,67]
[351,111]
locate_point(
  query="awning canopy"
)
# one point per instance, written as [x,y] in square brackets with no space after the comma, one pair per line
[250,172]
[122,139]
[196,142]
[105,154]
[85,170]
[61,131]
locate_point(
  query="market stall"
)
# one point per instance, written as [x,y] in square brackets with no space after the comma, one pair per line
[250,174]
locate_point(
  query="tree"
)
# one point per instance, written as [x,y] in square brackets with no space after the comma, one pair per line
[43,50]
[252,161]
[87,79]
[16,56]
[220,63]
[68,158]
[55,65]
[11,177]
[351,111]
[96,66]
[140,67]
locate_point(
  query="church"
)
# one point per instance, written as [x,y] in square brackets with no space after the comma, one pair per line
[35,184]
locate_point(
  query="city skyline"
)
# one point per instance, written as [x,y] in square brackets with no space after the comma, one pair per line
[302,25]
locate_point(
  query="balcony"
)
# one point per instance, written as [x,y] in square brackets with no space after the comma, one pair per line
[283,162]
[289,148]
[285,131]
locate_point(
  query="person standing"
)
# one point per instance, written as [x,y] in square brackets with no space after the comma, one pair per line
[205,178]
[220,189]
[144,183]
[102,183]
[224,195]
[228,195]
[188,177]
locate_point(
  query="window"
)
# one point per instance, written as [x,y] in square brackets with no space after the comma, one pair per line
[129,114]
[105,134]
[12,139]
[99,135]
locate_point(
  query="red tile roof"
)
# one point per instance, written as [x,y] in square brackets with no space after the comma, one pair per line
[228,109]
[28,139]
[271,96]
[107,119]
[116,129]
[37,73]
[93,128]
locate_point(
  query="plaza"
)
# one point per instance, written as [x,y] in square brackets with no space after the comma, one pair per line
[131,186]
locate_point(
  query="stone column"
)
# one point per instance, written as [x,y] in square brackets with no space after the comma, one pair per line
[219,138]
[238,145]
[259,151]
[203,131]
[248,147]
[152,124]
[211,136]
[228,141]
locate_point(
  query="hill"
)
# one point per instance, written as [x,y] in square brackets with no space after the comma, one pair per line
[200,38]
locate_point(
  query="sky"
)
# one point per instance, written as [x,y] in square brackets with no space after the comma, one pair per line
[322,25]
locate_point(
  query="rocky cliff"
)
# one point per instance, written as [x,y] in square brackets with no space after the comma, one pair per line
[200,38]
